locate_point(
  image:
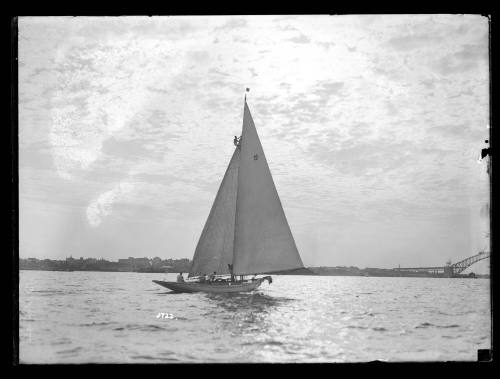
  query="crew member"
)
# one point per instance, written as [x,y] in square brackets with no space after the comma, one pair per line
[230,267]
[180,278]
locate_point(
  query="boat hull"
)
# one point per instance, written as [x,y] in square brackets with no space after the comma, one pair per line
[210,287]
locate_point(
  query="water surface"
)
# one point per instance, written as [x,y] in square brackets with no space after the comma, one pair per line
[107,317]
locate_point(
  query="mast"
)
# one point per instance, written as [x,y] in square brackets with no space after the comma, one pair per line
[238,147]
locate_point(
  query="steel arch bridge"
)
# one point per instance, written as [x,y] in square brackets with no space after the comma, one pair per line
[450,269]
[457,268]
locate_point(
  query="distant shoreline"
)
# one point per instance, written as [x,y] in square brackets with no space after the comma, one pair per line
[161,266]
[390,274]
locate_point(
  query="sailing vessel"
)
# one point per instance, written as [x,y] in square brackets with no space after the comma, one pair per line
[246,232]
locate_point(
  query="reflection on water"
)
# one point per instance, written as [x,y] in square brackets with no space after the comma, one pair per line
[254,302]
[247,317]
[113,317]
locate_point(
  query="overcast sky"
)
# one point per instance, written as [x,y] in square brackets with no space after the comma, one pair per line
[372,127]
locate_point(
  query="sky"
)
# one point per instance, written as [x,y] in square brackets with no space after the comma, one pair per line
[372,127]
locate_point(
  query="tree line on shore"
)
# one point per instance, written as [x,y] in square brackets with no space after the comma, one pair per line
[92,264]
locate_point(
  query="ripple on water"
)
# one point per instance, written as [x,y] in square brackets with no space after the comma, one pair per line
[70,351]
[62,341]
[145,328]
[104,323]
[430,325]
[49,291]
[356,327]
[273,343]
[153,358]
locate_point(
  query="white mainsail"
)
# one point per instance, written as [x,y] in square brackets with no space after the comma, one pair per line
[263,241]
[247,226]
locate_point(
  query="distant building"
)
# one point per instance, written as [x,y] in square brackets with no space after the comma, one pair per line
[141,263]
[92,264]
[156,262]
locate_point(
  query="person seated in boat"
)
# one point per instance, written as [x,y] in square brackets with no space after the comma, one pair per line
[202,278]
[230,268]
[211,278]
[180,278]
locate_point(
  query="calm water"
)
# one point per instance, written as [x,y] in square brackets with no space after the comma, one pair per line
[75,317]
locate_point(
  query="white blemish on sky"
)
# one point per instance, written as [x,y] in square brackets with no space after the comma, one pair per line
[102,206]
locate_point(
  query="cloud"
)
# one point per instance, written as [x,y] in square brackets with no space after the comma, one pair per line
[300,39]
[326,45]
[236,23]
[233,23]
[327,89]
[356,156]
[468,58]
[462,130]
[125,149]
[410,42]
